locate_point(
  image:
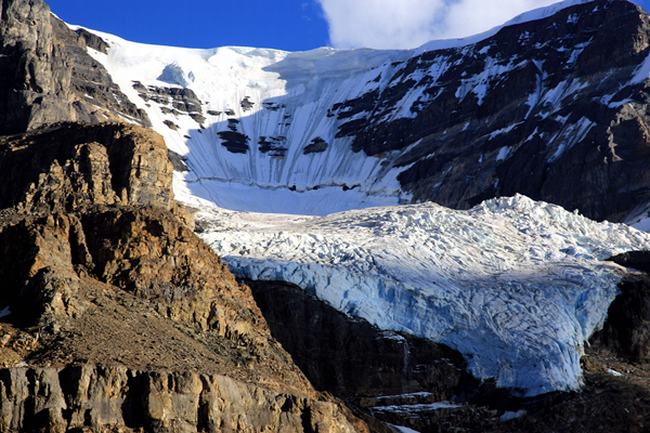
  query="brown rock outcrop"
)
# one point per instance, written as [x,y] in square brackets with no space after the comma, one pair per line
[97,399]
[68,166]
[120,317]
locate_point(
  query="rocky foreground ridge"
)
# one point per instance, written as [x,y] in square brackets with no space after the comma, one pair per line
[116,317]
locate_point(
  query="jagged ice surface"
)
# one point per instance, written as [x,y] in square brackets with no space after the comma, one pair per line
[516,286]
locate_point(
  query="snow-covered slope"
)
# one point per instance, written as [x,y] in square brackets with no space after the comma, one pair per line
[261,93]
[265,133]
[515,285]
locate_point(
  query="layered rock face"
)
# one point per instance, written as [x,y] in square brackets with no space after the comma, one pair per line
[67,167]
[550,108]
[109,399]
[48,75]
[116,317]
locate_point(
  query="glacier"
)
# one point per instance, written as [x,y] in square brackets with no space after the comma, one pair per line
[514,285]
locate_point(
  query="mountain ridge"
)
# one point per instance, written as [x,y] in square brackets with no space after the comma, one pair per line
[388,126]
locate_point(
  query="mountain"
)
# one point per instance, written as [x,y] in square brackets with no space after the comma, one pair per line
[114,315]
[154,281]
[551,105]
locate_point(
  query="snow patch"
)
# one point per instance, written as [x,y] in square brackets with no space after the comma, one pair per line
[504,153]
[614,373]
[570,135]
[425,407]
[479,84]
[511,416]
[642,73]
[503,131]
[402,429]
[411,395]
[642,224]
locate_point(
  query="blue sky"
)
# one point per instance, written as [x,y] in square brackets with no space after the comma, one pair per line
[292,24]
[285,24]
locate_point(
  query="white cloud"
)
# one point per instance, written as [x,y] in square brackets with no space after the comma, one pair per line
[410,23]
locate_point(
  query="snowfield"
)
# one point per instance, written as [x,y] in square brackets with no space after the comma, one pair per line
[269,95]
[273,96]
[516,286]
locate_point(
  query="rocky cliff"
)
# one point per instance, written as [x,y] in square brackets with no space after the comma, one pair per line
[552,108]
[48,75]
[94,398]
[67,167]
[115,316]
[627,330]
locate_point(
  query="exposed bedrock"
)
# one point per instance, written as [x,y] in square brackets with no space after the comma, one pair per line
[116,316]
[91,398]
[47,75]
[548,108]
[172,100]
[68,166]
[627,330]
